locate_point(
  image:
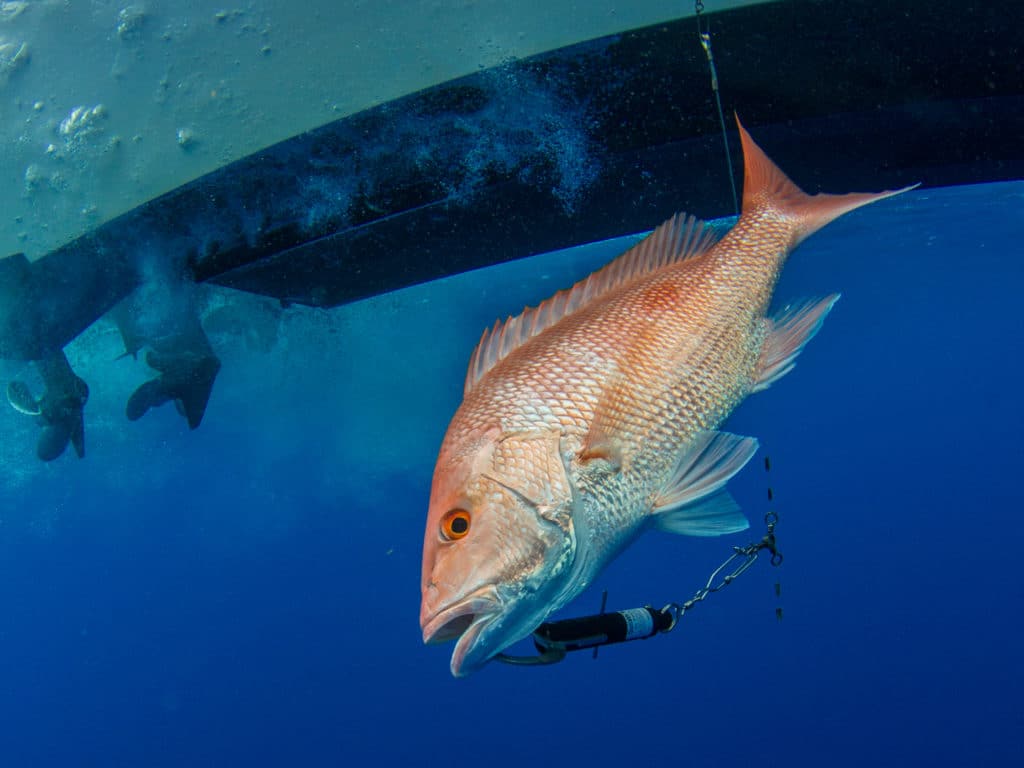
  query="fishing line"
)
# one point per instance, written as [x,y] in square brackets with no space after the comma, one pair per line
[704,36]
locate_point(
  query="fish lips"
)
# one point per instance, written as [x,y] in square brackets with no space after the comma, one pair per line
[467,622]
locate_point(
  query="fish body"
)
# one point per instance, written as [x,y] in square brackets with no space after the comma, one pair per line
[595,415]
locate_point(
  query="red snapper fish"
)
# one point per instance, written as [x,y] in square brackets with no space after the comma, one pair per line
[595,415]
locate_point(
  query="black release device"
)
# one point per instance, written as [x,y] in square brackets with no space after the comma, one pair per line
[560,637]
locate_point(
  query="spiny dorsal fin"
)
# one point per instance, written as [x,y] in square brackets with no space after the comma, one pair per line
[681,237]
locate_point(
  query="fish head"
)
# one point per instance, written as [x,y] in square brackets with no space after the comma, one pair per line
[499,544]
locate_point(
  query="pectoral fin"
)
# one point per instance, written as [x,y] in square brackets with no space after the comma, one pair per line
[694,501]
[614,426]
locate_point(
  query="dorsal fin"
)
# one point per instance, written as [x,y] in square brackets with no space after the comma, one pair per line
[681,237]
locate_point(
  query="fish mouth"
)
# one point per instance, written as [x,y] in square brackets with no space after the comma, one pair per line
[465,622]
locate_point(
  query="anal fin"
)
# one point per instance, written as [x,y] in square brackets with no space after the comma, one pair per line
[789,332]
[694,501]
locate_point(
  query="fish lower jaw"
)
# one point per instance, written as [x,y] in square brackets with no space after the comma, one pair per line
[454,621]
[476,624]
[471,651]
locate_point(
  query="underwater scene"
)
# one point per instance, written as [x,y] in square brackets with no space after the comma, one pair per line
[254,450]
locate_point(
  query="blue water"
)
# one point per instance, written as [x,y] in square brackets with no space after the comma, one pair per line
[247,594]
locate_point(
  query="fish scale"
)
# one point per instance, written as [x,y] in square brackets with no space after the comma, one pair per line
[594,414]
[543,370]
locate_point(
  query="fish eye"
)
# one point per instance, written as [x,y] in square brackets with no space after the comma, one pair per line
[455,524]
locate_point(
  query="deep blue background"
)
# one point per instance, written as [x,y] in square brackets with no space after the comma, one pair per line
[248,594]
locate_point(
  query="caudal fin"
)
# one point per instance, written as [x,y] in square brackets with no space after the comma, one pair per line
[765,186]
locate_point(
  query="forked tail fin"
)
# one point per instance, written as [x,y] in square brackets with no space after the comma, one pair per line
[765,186]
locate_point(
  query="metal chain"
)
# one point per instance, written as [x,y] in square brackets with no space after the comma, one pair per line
[746,555]
[552,652]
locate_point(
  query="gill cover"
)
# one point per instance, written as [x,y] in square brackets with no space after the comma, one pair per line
[530,466]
